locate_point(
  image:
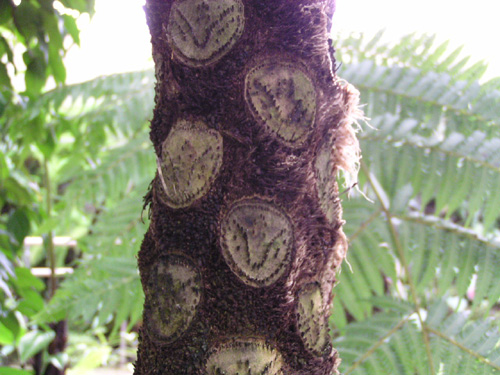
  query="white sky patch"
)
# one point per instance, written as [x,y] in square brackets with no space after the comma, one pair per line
[117,38]
[463,22]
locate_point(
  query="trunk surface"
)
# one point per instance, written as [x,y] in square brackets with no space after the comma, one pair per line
[250,128]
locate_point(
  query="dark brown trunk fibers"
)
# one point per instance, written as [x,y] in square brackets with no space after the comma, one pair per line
[56,346]
[250,128]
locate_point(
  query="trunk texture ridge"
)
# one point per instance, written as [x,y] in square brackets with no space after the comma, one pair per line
[250,128]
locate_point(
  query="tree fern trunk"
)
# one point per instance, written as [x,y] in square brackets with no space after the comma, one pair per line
[250,128]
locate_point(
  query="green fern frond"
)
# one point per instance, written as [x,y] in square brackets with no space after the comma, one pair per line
[385,88]
[101,291]
[445,167]
[123,168]
[112,86]
[105,286]
[391,343]
[432,167]
[441,253]
[106,185]
[118,229]
[412,50]
[473,343]
[364,349]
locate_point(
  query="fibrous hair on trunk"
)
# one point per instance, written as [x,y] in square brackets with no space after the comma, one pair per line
[251,127]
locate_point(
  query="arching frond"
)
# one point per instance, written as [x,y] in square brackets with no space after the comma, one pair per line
[431,164]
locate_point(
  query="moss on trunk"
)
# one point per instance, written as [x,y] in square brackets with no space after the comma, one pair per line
[250,128]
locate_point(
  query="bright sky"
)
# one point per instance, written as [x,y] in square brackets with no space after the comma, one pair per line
[117,38]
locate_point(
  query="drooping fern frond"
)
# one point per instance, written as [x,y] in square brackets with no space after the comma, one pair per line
[431,165]
[104,183]
[457,172]
[105,287]
[416,78]
[390,343]
[115,109]
[103,290]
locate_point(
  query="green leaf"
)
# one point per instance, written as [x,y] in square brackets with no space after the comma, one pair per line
[51,27]
[5,11]
[79,5]
[11,322]
[15,192]
[55,48]
[25,279]
[32,343]
[389,303]
[5,49]
[27,20]
[72,28]
[14,371]
[59,360]
[93,358]
[47,145]
[36,72]
[19,226]
[6,335]
[5,98]
[4,79]
[31,304]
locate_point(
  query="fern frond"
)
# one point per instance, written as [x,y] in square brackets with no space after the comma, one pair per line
[105,286]
[440,254]
[369,264]
[432,166]
[123,169]
[101,291]
[118,229]
[474,343]
[444,168]
[364,349]
[386,88]
[392,343]
[412,50]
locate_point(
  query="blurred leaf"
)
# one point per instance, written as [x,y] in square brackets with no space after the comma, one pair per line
[4,79]
[59,360]
[31,304]
[51,26]
[15,192]
[93,358]
[72,28]
[28,20]
[32,343]
[7,268]
[5,11]
[80,5]
[11,322]
[55,46]
[5,97]
[57,65]
[47,145]
[36,71]
[5,48]
[6,335]
[25,279]
[14,371]
[19,226]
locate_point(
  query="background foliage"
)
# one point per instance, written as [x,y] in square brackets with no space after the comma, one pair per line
[420,292]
